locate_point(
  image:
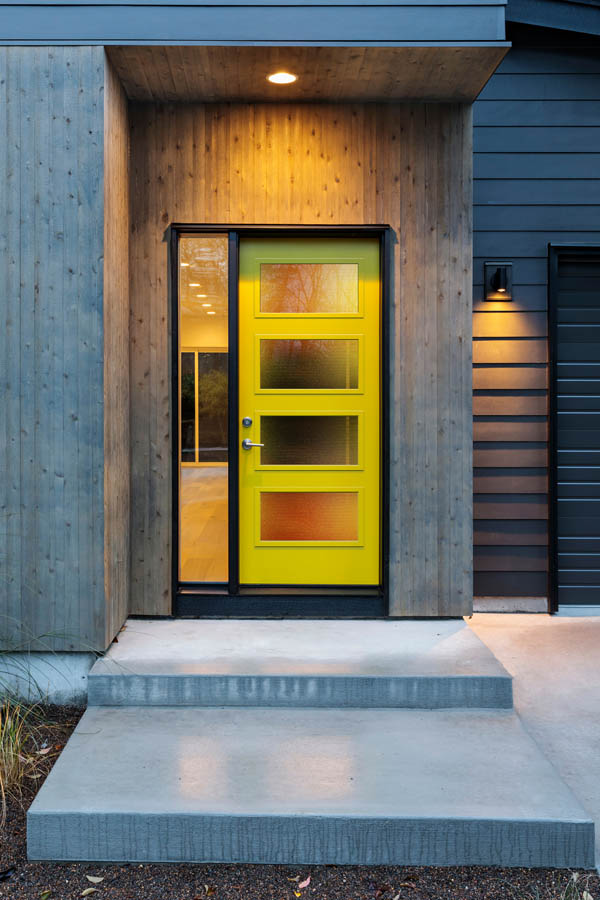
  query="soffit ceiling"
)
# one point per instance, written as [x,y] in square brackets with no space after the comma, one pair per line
[333,74]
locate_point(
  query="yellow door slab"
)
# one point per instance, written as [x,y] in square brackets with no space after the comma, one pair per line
[309,381]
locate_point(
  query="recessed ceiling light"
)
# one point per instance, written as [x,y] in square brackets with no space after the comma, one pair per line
[207,304]
[194,284]
[282,78]
[201,295]
[183,265]
[210,312]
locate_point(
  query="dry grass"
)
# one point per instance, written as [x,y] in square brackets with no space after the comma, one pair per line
[22,752]
[577,886]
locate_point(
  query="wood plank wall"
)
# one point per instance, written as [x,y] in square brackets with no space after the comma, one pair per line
[537,179]
[116,354]
[51,243]
[404,165]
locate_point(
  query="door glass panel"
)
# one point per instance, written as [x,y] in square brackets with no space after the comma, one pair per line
[188,407]
[309,516]
[308,364]
[203,343]
[309,288]
[309,440]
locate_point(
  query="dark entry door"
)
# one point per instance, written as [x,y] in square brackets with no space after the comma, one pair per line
[575,333]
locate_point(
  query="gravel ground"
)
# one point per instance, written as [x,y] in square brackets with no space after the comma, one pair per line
[22,880]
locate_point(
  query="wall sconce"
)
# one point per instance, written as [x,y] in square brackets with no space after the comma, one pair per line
[497,280]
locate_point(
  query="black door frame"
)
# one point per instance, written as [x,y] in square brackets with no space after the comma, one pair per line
[231,599]
[555,252]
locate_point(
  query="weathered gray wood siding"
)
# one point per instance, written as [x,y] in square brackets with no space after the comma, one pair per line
[52,466]
[537,179]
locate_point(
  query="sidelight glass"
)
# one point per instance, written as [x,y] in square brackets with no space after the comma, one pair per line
[309,516]
[309,440]
[308,364]
[309,288]
[203,408]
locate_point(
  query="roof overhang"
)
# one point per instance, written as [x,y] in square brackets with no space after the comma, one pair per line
[223,49]
[337,74]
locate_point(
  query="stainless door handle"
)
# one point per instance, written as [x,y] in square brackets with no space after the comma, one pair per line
[247,444]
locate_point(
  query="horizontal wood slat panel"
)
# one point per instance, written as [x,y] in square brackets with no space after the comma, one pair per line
[512,138]
[510,378]
[509,484]
[578,215]
[510,324]
[542,86]
[510,431]
[528,165]
[510,559]
[508,457]
[510,584]
[524,351]
[498,405]
[526,244]
[553,113]
[510,532]
[508,506]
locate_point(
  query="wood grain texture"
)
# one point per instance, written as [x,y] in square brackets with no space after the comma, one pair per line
[404,165]
[116,354]
[335,74]
[51,226]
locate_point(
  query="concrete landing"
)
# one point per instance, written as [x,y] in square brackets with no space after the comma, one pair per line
[373,786]
[300,663]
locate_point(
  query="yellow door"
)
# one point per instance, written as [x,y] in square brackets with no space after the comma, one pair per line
[309,393]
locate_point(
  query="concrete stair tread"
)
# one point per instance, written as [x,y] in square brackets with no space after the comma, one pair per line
[300,663]
[307,785]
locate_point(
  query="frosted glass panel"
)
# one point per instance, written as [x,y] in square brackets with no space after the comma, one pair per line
[309,440]
[308,364]
[309,516]
[309,288]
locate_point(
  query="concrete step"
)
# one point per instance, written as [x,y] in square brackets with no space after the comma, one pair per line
[307,663]
[365,786]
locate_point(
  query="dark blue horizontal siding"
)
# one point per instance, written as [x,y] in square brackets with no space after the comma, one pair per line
[536,180]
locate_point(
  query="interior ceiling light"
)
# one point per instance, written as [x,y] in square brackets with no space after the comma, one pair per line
[211,312]
[207,304]
[201,295]
[281,78]
[194,284]
[183,265]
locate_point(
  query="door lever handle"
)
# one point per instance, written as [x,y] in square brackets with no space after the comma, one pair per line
[247,444]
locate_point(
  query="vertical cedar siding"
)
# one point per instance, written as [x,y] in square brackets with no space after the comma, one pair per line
[407,165]
[63,500]
[536,180]
[116,354]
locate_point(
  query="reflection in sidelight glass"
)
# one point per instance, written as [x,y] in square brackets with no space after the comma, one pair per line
[294,288]
[309,516]
[309,440]
[308,364]
[203,409]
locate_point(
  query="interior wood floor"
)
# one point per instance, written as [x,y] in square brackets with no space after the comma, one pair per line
[203,523]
